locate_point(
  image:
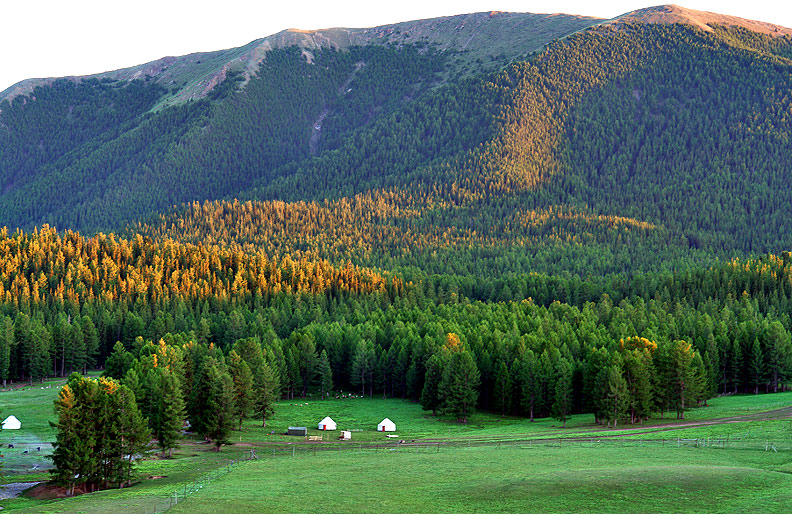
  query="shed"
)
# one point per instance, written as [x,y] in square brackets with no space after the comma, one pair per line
[11,423]
[327,424]
[386,425]
[346,435]
[302,431]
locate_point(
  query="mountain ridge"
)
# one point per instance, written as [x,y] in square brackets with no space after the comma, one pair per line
[196,74]
[672,13]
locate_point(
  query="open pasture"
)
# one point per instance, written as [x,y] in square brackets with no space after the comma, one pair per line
[509,479]
[361,415]
[632,471]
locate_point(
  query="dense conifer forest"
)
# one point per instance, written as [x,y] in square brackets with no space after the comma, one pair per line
[599,227]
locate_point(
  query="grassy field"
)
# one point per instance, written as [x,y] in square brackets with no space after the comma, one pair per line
[362,416]
[158,480]
[514,479]
[531,467]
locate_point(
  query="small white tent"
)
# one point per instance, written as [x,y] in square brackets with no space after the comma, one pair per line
[386,425]
[327,424]
[11,423]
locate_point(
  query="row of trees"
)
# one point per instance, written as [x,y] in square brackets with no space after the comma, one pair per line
[179,380]
[103,425]
[100,431]
[630,384]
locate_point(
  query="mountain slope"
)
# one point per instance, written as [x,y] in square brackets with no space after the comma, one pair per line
[607,156]
[485,40]
[624,147]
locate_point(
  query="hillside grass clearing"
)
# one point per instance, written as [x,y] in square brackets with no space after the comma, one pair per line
[525,466]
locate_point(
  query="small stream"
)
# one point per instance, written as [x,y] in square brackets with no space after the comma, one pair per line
[13,490]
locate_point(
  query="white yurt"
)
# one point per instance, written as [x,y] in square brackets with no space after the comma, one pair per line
[386,425]
[11,423]
[327,424]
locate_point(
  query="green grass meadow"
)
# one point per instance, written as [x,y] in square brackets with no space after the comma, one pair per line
[525,467]
[505,480]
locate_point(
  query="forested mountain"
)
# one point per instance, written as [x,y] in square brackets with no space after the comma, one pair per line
[625,120]
[567,206]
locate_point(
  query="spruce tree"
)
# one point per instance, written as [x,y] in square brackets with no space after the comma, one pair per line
[170,412]
[529,378]
[618,395]
[266,393]
[430,396]
[218,413]
[325,374]
[243,386]
[459,387]
[562,406]
[502,392]
[6,342]
[133,431]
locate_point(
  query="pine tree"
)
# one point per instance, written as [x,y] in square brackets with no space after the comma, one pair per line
[325,374]
[699,382]
[618,395]
[735,365]
[219,409]
[266,393]
[72,449]
[119,362]
[170,412]
[6,342]
[459,387]
[133,431]
[529,374]
[138,386]
[363,363]
[562,406]
[304,353]
[91,339]
[755,365]
[680,375]
[430,396]
[41,343]
[243,386]
[638,375]
[779,354]
[503,388]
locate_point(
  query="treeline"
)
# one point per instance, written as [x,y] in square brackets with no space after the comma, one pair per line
[66,299]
